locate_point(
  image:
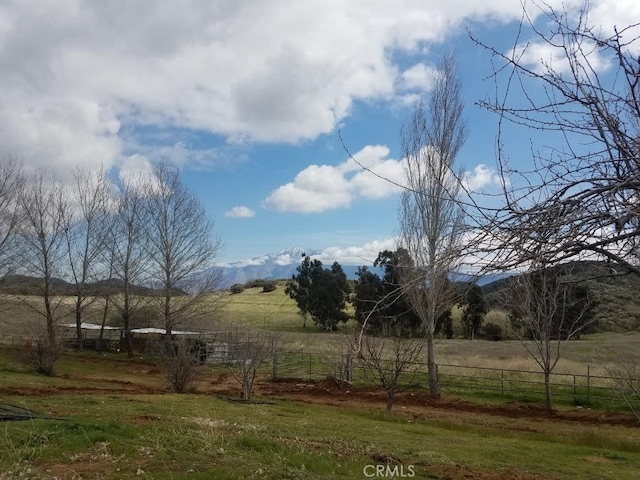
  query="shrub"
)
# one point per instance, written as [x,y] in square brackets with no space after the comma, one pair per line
[42,352]
[493,332]
[181,366]
[236,288]
[269,287]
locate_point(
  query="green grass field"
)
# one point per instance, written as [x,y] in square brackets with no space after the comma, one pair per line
[109,417]
[91,429]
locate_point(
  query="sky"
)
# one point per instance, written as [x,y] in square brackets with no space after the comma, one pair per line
[260,103]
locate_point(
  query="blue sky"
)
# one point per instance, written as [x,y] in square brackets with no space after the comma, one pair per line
[248,98]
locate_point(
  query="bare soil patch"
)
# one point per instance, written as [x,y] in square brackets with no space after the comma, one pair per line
[332,392]
[327,392]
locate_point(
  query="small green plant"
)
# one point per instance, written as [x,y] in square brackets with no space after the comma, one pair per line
[493,332]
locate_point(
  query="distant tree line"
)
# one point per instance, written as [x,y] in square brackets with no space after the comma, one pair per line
[379,304]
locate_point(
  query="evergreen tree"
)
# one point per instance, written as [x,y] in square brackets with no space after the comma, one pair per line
[368,291]
[474,311]
[396,312]
[444,325]
[321,293]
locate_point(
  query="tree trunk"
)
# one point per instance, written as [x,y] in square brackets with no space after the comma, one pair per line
[168,324]
[105,312]
[79,326]
[51,330]
[390,400]
[246,389]
[432,369]
[547,391]
[128,343]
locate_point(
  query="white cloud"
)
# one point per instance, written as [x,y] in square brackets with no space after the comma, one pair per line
[369,174]
[240,212]
[541,56]
[356,255]
[604,18]
[78,75]
[418,77]
[318,188]
[135,169]
[481,177]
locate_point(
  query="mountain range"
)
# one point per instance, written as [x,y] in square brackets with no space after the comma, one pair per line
[271,266]
[283,264]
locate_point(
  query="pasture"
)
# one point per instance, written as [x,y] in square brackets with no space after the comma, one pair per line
[109,417]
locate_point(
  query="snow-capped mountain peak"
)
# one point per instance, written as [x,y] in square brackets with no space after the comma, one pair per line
[277,265]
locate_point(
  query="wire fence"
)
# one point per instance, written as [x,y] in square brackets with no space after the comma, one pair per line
[579,388]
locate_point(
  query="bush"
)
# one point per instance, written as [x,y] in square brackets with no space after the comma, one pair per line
[493,332]
[236,288]
[181,366]
[269,287]
[260,283]
[42,352]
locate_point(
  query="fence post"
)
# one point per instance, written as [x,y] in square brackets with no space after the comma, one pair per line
[275,367]
[575,394]
[502,382]
[588,382]
[310,377]
[349,368]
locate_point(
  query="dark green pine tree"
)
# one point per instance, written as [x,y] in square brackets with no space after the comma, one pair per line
[321,293]
[299,287]
[368,292]
[474,311]
[397,316]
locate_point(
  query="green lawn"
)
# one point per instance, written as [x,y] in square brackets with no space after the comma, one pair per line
[104,433]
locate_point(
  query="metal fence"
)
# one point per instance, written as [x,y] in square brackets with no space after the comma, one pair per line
[580,388]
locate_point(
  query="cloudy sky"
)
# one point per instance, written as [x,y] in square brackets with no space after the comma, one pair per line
[250,97]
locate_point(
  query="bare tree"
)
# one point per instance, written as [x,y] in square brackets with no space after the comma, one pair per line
[585,103]
[625,372]
[86,235]
[181,247]
[431,216]
[44,209]
[129,259]
[11,186]
[182,365]
[390,362]
[548,308]
[247,352]
[41,354]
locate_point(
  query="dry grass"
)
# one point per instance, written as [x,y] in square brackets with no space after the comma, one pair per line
[277,313]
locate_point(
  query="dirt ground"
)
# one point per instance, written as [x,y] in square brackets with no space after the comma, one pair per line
[142,378]
[331,392]
[327,392]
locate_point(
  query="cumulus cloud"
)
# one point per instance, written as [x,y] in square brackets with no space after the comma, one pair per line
[481,177]
[541,56]
[79,76]
[418,77]
[240,212]
[318,188]
[369,175]
[356,255]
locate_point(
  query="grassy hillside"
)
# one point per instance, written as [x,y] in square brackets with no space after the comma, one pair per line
[617,293]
